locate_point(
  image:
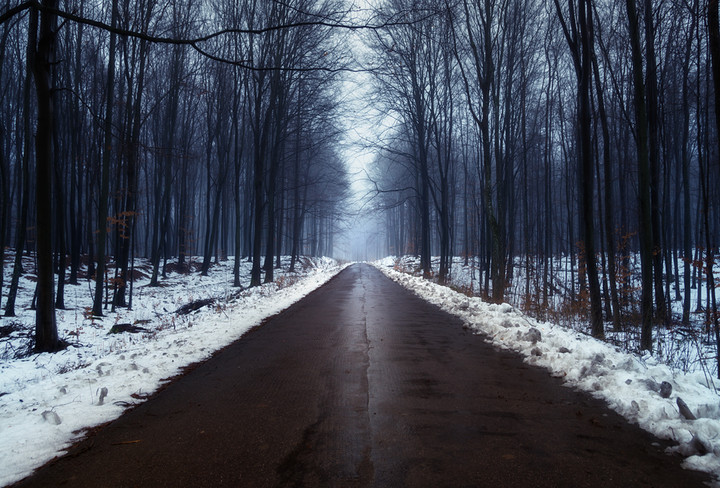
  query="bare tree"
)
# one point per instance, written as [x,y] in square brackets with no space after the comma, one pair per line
[102,223]
[20,235]
[644,182]
[578,32]
[46,334]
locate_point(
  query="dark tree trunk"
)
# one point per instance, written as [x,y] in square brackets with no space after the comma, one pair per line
[46,335]
[163,189]
[259,200]
[20,234]
[212,235]
[298,209]
[102,223]
[685,162]
[586,167]
[272,177]
[76,176]
[644,181]
[129,214]
[239,125]
[654,160]
[210,219]
[4,180]
[59,194]
[609,201]
[255,273]
[580,37]
[263,114]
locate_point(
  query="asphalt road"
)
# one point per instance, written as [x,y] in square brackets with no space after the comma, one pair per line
[362,384]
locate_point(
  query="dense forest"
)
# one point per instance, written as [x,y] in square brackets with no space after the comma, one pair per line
[571,143]
[164,129]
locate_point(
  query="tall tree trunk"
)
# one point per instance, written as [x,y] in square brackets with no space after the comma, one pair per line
[59,195]
[239,124]
[609,200]
[129,214]
[163,189]
[580,38]
[103,199]
[654,160]
[586,168]
[280,225]
[4,179]
[298,205]
[644,181]
[76,176]
[46,335]
[687,228]
[20,234]
[211,212]
[212,235]
[260,143]
[497,242]
[276,93]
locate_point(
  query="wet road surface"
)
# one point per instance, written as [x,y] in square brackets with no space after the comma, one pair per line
[362,384]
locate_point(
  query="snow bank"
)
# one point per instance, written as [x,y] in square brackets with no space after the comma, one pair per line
[46,399]
[631,385]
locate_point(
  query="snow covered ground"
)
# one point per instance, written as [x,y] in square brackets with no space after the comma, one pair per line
[47,400]
[632,385]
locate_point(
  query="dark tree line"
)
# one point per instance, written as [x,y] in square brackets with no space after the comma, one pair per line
[563,139]
[122,136]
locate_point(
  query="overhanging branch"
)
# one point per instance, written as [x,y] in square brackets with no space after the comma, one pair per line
[197,41]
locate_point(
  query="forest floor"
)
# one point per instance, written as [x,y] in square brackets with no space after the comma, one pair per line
[47,401]
[363,384]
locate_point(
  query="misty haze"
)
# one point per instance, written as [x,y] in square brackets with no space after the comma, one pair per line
[372,243]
